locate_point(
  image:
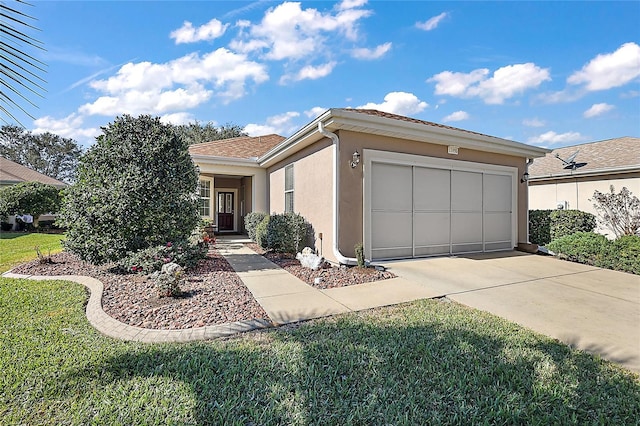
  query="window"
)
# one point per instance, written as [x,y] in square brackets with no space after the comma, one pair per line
[204,204]
[288,189]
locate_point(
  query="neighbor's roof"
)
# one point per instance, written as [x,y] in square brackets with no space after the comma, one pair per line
[602,157]
[13,173]
[246,147]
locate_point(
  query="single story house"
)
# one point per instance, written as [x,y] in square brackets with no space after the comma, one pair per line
[556,183]
[400,186]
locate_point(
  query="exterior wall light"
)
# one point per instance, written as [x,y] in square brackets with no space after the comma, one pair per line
[525,177]
[355,159]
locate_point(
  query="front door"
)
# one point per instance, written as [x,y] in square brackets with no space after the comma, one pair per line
[225,211]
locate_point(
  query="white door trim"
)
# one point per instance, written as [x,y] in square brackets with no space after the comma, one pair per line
[235,206]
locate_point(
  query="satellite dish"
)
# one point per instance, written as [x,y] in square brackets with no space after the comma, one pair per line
[570,162]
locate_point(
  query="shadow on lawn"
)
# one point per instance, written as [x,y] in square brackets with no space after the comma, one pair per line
[361,369]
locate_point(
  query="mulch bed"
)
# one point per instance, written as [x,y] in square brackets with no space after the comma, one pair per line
[330,276]
[213,294]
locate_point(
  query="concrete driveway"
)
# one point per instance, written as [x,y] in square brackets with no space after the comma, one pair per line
[593,309]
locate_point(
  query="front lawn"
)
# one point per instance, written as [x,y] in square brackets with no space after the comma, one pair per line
[427,362]
[18,247]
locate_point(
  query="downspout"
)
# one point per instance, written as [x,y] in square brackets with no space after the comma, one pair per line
[526,170]
[343,260]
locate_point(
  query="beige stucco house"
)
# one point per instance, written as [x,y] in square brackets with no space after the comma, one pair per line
[596,166]
[403,187]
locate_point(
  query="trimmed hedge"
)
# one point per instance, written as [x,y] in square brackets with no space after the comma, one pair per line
[284,233]
[251,222]
[567,222]
[540,226]
[594,249]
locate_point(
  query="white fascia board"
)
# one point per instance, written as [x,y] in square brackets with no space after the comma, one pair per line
[587,173]
[226,161]
[432,134]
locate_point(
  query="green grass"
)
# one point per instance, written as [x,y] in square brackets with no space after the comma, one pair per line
[19,247]
[422,363]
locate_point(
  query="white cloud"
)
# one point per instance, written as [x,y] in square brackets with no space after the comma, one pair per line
[630,94]
[281,124]
[310,72]
[432,23]
[315,111]
[456,116]
[402,103]
[533,122]
[505,83]
[369,54]
[597,109]
[182,83]
[289,32]
[70,126]
[553,138]
[609,70]
[177,118]
[351,4]
[209,31]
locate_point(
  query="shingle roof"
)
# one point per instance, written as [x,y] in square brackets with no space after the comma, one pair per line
[377,113]
[239,147]
[12,173]
[602,156]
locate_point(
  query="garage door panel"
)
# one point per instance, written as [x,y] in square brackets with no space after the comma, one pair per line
[391,187]
[497,227]
[432,189]
[466,228]
[392,229]
[431,228]
[497,193]
[466,191]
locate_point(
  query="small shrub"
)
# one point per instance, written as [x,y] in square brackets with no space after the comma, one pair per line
[540,226]
[618,212]
[567,222]
[583,247]
[152,259]
[168,279]
[624,255]
[251,222]
[261,232]
[288,233]
[42,259]
[360,255]
[6,226]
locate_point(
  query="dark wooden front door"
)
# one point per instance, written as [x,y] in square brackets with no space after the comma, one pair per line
[225,211]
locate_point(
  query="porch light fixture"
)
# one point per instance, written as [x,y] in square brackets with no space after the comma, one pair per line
[525,177]
[355,159]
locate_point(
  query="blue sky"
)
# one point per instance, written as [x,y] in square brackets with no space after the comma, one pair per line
[545,73]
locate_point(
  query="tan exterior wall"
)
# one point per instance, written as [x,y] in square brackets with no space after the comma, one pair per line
[576,192]
[313,191]
[351,180]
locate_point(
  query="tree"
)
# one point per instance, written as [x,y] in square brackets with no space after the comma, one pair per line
[18,70]
[195,132]
[618,212]
[32,198]
[136,188]
[46,153]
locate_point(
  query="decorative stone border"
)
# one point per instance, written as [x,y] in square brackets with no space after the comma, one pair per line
[118,330]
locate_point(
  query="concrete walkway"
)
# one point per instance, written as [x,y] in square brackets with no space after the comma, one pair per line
[286,298]
[593,309]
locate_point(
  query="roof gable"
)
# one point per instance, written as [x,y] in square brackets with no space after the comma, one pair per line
[12,173]
[611,155]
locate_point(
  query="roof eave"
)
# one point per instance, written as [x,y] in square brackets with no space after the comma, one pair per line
[227,161]
[340,119]
[587,173]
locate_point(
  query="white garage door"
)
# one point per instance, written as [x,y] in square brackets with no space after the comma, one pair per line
[422,211]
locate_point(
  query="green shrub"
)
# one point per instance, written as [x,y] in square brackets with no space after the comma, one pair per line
[168,279]
[136,188]
[261,232]
[32,198]
[567,222]
[360,255]
[302,234]
[152,259]
[540,226]
[624,254]
[251,222]
[583,247]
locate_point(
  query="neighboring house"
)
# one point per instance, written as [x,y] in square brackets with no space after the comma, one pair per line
[596,166]
[403,187]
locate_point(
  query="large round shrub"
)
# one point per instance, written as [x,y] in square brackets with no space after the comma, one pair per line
[136,189]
